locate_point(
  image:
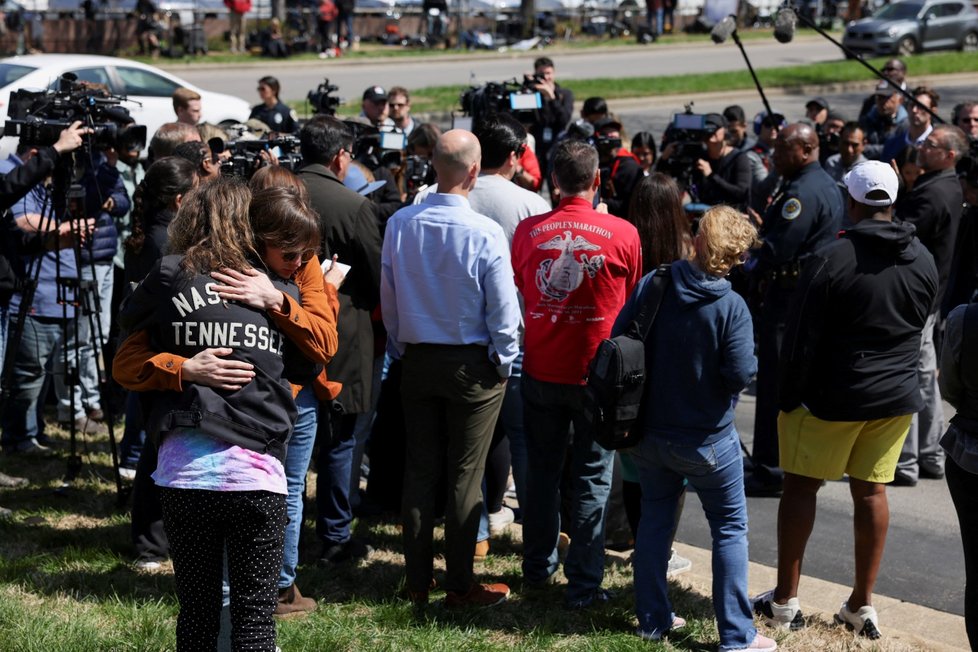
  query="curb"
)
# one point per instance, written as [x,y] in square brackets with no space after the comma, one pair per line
[904,625]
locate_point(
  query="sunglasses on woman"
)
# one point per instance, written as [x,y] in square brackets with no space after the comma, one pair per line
[306,255]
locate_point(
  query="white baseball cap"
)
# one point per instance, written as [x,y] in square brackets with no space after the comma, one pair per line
[868,176]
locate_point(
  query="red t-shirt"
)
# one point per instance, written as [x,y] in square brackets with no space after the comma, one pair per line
[531,165]
[575,268]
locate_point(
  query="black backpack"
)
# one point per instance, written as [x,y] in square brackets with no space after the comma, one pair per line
[616,375]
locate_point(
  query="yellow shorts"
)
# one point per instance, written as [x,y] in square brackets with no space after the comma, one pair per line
[866,450]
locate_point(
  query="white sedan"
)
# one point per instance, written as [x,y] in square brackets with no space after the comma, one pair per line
[149,89]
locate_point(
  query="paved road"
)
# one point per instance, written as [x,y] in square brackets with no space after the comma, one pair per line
[354,77]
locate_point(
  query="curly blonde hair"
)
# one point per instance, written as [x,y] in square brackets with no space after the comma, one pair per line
[212,230]
[724,236]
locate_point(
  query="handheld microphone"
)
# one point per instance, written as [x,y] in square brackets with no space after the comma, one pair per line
[784,24]
[723,30]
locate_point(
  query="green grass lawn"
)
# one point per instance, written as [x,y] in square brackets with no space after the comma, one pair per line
[445,98]
[67,585]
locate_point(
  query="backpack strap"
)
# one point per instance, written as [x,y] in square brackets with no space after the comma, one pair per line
[653,300]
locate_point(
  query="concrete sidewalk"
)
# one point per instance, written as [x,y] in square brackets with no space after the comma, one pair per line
[905,626]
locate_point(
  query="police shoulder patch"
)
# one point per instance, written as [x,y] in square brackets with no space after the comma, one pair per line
[791,209]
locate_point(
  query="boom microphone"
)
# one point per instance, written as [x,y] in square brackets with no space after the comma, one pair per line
[723,30]
[784,24]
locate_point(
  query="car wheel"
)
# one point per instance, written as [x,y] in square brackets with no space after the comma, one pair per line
[970,42]
[907,46]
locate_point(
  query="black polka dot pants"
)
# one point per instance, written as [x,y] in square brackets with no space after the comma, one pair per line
[199,524]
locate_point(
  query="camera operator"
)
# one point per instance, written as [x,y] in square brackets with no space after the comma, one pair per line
[44,326]
[22,176]
[19,181]
[554,114]
[722,175]
[620,169]
[828,137]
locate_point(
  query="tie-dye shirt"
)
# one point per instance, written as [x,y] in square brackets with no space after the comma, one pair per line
[189,459]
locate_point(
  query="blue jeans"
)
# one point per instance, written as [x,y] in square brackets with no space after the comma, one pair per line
[89,397]
[334,464]
[296,466]
[658,16]
[133,435]
[39,347]
[716,472]
[549,409]
[511,417]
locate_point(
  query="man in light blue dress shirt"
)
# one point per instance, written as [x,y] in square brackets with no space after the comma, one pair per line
[452,315]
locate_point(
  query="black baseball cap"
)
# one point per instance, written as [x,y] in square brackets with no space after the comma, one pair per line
[714,121]
[607,123]
[820,102]
[375,94]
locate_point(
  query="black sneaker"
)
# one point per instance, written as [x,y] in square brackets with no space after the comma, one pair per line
[931,474]
[337,553]
[756,488]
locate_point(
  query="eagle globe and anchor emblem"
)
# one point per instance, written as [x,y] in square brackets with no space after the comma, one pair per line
[558,277]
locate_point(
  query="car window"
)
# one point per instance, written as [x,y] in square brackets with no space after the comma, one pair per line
[145,82]
[898,11]
[951,9]
[9,72]
[933,12]
[97,75]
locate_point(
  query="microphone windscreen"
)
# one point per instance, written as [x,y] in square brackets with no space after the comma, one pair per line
[784,25]
[723,30]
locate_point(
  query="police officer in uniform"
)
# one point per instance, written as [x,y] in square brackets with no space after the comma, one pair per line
[805,213]
[277,115]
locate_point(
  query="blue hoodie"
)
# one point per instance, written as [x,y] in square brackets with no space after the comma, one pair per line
[700,353]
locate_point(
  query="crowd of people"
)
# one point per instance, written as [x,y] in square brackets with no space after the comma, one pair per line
[422,327]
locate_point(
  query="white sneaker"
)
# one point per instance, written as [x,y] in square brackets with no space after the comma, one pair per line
[499,521]
[147,565]
[778,615]
[656,635]
[677,565]
[760,643]
[864,622]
